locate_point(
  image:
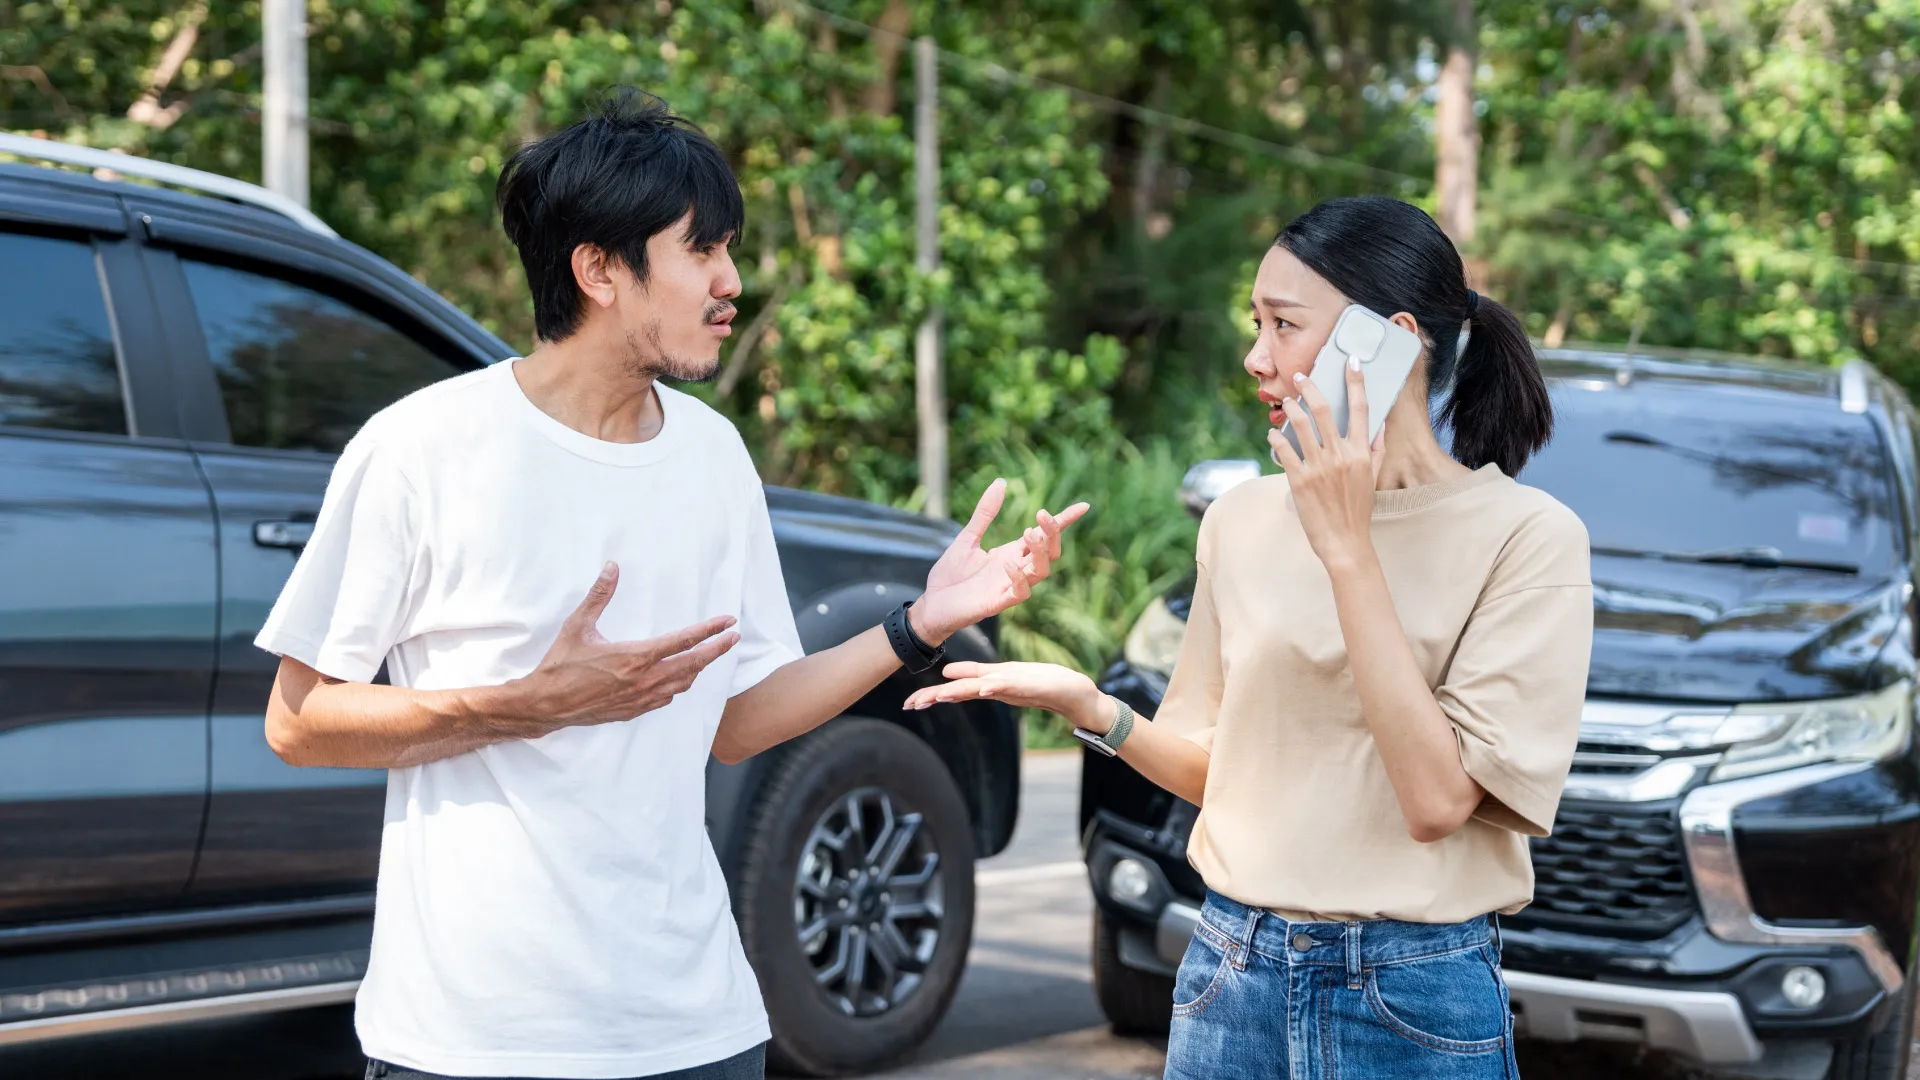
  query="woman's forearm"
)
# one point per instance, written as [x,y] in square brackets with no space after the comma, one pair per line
[1415,739]
[1175,764]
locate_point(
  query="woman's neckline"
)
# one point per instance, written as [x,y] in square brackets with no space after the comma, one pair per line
[1408,499]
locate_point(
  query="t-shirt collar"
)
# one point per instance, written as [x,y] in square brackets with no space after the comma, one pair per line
[1407,500]
[586,446]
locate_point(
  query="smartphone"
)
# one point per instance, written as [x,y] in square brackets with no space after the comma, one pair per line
[1387,354]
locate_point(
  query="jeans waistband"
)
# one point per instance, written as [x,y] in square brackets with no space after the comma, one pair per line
[1352,945]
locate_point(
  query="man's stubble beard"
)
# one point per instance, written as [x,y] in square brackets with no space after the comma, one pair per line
[648,358]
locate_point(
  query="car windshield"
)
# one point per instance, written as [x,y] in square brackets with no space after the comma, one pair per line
[1720,474]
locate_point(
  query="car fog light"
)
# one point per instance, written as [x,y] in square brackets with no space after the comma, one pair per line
[1803,987]
[1129,881]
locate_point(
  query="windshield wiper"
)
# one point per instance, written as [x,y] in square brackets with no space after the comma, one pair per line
[1765,558]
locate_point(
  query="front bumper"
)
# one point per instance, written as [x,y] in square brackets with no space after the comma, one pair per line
[1707,1026]
[1708,989]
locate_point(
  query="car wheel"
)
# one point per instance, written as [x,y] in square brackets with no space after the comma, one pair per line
[1135,1002]
[856,897]
[1881,1056]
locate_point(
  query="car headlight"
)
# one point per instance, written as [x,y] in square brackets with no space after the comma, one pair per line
[1789,734]
[1154,642]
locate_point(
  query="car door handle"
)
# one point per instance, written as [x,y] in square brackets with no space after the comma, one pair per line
[292,535]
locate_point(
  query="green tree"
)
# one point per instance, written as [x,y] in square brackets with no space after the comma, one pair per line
[1733,174]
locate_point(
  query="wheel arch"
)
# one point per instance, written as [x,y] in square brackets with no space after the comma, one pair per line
[978,741]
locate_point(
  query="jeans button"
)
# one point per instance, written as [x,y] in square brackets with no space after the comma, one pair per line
[1302,941]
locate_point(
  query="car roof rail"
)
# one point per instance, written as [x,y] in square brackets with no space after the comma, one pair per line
[1853,386]
[205,183]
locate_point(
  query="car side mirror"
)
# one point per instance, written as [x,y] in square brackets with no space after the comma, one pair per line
[1209,480]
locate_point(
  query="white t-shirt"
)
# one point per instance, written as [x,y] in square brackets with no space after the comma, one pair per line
[549,908]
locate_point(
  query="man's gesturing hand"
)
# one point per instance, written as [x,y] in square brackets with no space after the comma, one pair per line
[970,583]
[586,679]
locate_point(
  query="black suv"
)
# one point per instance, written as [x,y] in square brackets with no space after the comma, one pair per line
[1732,874]
[176,372]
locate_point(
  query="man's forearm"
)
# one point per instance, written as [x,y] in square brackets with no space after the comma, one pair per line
[803,695]
[315,720]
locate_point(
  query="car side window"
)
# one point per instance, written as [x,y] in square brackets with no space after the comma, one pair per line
[58,364]
[300,369]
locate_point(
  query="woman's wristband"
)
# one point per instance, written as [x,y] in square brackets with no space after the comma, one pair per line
[1108,744]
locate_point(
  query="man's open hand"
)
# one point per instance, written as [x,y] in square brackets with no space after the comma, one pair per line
[969,583]
[586,679]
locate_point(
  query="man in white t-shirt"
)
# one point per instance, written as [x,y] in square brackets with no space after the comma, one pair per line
[549,904]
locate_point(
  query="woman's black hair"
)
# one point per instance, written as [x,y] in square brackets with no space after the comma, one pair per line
[628,171]
[1389,256]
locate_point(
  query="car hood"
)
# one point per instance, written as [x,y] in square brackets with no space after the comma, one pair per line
[840,523]
[1707,632]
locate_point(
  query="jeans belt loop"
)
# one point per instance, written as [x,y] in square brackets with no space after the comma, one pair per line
[1493,923]
[1244,947]
[1353,956]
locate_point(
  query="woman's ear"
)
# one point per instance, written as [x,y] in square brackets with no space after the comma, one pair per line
[1408,323]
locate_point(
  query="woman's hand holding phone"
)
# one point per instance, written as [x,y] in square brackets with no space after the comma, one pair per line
[1332,478]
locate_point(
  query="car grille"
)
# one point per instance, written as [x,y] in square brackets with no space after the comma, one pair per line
[1612,869]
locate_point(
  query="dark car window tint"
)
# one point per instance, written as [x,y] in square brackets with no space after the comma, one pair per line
[58,368]
[1688,470]
[298,369]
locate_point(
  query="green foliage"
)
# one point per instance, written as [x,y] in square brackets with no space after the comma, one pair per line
[1732,174]
[1135,543]
[1735,174]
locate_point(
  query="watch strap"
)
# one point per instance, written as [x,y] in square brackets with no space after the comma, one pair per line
[1122,725]
[1108,745]
[916,655]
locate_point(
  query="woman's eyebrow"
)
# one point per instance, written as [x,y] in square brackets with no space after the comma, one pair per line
[1278,302]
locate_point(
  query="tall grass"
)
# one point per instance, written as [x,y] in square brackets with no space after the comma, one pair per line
[1135,543]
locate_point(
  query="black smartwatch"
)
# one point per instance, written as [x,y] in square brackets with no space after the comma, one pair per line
[918,656]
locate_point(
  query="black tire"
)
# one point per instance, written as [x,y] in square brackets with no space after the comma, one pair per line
[1135,1002]
[855,766]
[1881,1056]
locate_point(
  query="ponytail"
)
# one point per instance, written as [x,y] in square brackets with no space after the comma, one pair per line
[1389,256]
[1498,408]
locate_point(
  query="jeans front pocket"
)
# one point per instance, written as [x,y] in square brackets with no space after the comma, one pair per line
[1203,971]
[1452,1002]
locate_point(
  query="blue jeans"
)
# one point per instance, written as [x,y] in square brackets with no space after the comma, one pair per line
[1258,996]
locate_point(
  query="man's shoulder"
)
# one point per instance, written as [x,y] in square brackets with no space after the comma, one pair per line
[702,416]
[706,426]
[433,408]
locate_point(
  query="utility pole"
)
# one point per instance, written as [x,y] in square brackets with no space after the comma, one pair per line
[283,115]
[1457,134]
[929,382]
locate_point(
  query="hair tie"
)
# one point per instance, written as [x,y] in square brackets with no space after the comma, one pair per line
[1473,303]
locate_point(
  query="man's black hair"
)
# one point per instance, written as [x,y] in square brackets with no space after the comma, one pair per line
[628,171]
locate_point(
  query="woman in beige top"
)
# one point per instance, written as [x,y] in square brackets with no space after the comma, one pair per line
[1379,692]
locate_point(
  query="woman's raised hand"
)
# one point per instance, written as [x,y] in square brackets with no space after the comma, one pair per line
[1332,478]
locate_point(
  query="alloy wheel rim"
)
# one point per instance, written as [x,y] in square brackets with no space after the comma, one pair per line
[868,906]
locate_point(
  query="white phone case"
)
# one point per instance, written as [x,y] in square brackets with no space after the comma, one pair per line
[1387,354]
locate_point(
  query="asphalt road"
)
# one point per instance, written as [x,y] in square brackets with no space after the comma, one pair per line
[1025,1011]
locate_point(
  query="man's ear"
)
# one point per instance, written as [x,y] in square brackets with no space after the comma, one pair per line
[593,274]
